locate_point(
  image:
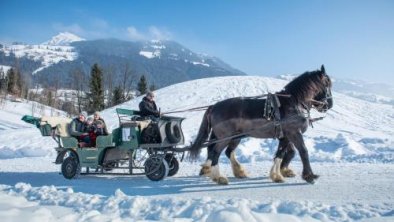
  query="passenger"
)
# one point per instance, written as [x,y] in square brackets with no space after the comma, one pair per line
[100,124]
[148,107]
[91,128]
[78,127]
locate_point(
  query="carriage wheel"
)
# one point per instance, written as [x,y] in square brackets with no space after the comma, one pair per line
[156,168]
[70,168]
[173,164]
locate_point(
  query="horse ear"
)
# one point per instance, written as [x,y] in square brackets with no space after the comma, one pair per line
[322,69]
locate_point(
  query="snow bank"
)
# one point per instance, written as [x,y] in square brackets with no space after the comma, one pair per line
[19,139]
[24,201]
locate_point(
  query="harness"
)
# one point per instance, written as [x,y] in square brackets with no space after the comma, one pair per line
[272,112]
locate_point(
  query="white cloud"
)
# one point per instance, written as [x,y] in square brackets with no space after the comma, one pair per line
[96,28]
[152,33]
[160,34]
[73,28]
[134,34]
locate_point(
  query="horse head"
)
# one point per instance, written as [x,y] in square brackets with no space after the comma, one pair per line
[323,100]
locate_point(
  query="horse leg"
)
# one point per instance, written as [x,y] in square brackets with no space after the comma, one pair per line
[206,167]
[289,155]
[298,142]
[238,170]
[215,172]
[275,173]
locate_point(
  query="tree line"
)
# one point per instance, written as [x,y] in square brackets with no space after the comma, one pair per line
[88,92]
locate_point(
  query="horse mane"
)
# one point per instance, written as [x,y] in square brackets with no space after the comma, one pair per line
[306,85]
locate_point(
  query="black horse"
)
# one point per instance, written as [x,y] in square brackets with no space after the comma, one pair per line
[244,116]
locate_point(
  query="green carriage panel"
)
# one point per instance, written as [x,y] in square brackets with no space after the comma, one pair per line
[89,156]
[105,141]
[128,136]
[46,130]
[69,142]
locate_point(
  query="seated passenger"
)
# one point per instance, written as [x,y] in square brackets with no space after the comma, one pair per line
[100,124]
[77,127]
[148,107]
[91,129]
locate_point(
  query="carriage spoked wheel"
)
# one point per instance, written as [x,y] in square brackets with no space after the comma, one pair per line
[173,164]
[156,167]
[70,168]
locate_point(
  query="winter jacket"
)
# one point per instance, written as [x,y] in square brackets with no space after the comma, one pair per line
[77,128]
[97,130]
[148,108]
[102,131]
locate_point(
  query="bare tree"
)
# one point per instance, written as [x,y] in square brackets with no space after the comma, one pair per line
[56,85]
[128,78]
[109,74]
[79,85]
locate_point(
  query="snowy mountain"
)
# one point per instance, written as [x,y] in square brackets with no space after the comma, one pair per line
[56,50]
[162,62]
[352,149]
[63,38]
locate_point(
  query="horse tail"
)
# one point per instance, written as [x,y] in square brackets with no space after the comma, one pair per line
[202,135]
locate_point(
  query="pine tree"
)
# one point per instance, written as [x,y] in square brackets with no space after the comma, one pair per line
[2,80]
[12,79]
[49,97]
[118,96]
[142,85]
[96,95]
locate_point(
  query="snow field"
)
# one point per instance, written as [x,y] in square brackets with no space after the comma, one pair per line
[351,149]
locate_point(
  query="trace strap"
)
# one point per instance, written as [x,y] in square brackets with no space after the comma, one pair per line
[202,108]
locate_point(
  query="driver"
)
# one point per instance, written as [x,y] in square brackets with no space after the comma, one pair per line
[148,107]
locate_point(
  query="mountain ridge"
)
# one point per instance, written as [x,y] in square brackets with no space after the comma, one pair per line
[163,62]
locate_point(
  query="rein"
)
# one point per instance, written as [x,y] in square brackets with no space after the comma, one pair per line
[202,108]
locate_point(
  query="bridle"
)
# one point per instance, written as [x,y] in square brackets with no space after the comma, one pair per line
[322,105]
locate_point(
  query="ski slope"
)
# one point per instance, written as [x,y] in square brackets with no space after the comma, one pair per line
[351,149]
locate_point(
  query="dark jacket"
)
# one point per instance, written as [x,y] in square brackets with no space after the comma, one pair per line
[100,131]
[148,108]
[77,128]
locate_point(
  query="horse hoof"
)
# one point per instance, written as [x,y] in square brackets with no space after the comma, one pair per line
[205,171]
[310,178]
[222,181]
[241,175]
[286,172]
[277,178]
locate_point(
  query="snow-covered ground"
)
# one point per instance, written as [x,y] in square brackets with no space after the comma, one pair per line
[351,149]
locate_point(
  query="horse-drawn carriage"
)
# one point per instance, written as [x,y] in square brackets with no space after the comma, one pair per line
[152,146]
[138,146]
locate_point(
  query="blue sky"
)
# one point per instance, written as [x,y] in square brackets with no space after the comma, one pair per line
[354,39]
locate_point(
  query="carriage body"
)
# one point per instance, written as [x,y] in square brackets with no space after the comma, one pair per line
[125,151]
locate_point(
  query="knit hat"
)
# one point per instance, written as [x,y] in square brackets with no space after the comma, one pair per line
[151,94]
[84,113]
[90,119]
